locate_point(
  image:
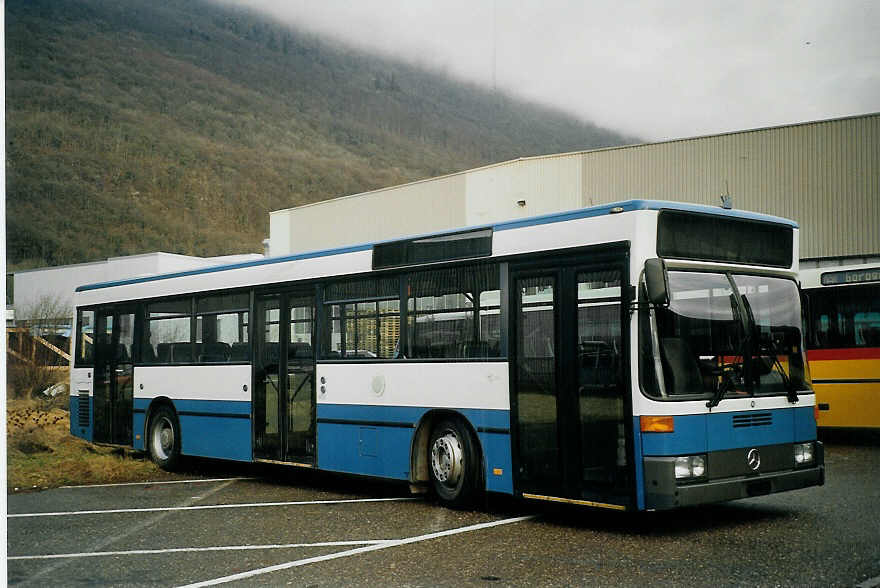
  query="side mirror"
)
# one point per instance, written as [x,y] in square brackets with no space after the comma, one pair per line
[657,282]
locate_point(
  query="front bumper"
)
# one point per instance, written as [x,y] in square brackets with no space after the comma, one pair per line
[662,492]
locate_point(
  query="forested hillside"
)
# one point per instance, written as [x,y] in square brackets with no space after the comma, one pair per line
[174,125]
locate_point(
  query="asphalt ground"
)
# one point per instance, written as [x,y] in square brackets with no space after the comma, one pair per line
[258,526]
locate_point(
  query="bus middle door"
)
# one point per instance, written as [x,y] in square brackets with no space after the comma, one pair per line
[284,378]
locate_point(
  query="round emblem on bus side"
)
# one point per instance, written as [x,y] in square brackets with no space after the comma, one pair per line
[378,385]
[753,459]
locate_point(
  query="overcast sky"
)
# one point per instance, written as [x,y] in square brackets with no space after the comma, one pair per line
[654,69]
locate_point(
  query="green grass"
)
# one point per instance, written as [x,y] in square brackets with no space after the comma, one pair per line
[41,452]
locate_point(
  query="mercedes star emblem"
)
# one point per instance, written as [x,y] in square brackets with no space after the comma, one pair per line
[754,459]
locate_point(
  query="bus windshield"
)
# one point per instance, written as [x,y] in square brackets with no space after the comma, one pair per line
[724,335]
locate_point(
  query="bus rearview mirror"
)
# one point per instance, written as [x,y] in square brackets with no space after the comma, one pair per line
[657,281]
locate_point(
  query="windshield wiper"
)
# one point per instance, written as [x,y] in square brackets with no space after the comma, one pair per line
[727,384]
[773,352]
[728,373]
[791,391]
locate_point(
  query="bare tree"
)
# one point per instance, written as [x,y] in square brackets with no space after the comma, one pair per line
[38,349]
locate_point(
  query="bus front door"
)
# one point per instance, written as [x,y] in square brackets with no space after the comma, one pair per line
[568,398]
[284,378]
[113,388]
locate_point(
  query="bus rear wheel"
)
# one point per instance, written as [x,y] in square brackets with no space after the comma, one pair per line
[455,468]
[164,438]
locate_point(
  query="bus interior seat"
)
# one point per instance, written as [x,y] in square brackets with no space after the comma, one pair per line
[217,352]
[681,367]
[870,336]
[271,354]
[148,354]
[122,355]
[240,352]
[163,353]
[181,352]
[475,349]
[299,351]
[106,349]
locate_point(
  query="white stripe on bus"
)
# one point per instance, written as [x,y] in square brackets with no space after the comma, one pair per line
[205,507]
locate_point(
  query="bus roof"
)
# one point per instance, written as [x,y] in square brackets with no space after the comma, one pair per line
[592,211]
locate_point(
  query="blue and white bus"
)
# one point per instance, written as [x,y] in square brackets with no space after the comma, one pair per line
[637,356]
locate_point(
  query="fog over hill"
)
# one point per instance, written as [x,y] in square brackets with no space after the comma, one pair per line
[177,126]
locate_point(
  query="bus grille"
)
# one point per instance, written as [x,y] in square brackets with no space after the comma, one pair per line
[83,412]
[757,419]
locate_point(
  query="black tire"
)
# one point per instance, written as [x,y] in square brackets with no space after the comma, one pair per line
[454,464]
[163,438]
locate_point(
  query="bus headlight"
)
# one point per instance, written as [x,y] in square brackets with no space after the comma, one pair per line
[803,453]
[690,466]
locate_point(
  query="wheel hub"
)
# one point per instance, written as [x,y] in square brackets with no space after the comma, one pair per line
[447,459]
[167,438]
[162,439]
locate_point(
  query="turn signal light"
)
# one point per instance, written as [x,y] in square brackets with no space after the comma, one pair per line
[657,424]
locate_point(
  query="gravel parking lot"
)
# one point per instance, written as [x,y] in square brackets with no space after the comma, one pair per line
[302,528]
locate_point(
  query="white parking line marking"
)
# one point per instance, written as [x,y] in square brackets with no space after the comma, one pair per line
[359,550]
[198,481]
[193,549]
[135,528]
[205,507]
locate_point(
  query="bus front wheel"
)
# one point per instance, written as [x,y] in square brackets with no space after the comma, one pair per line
[164,438]
[454,463]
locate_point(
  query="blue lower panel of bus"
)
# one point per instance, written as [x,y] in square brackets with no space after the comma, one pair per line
[377,441]
[208,428]
[730,430]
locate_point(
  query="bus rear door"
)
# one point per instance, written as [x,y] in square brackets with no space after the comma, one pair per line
[114,384]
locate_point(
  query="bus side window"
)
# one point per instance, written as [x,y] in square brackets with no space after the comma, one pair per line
[221,328]
[166,338]
[454,313]
[85,344]
[362,319]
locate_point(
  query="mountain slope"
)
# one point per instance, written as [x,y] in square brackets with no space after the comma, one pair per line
[178,125]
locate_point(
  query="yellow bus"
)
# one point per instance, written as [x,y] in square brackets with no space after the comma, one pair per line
[843,343]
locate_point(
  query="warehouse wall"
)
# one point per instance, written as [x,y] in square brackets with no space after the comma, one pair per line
[824,174]
[421,207]
[522,188]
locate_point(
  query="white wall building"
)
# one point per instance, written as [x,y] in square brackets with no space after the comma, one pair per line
[55,285]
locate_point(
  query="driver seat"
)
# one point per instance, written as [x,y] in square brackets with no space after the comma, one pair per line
[682,372]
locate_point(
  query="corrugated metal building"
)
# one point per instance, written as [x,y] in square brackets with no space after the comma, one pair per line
[824,174]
